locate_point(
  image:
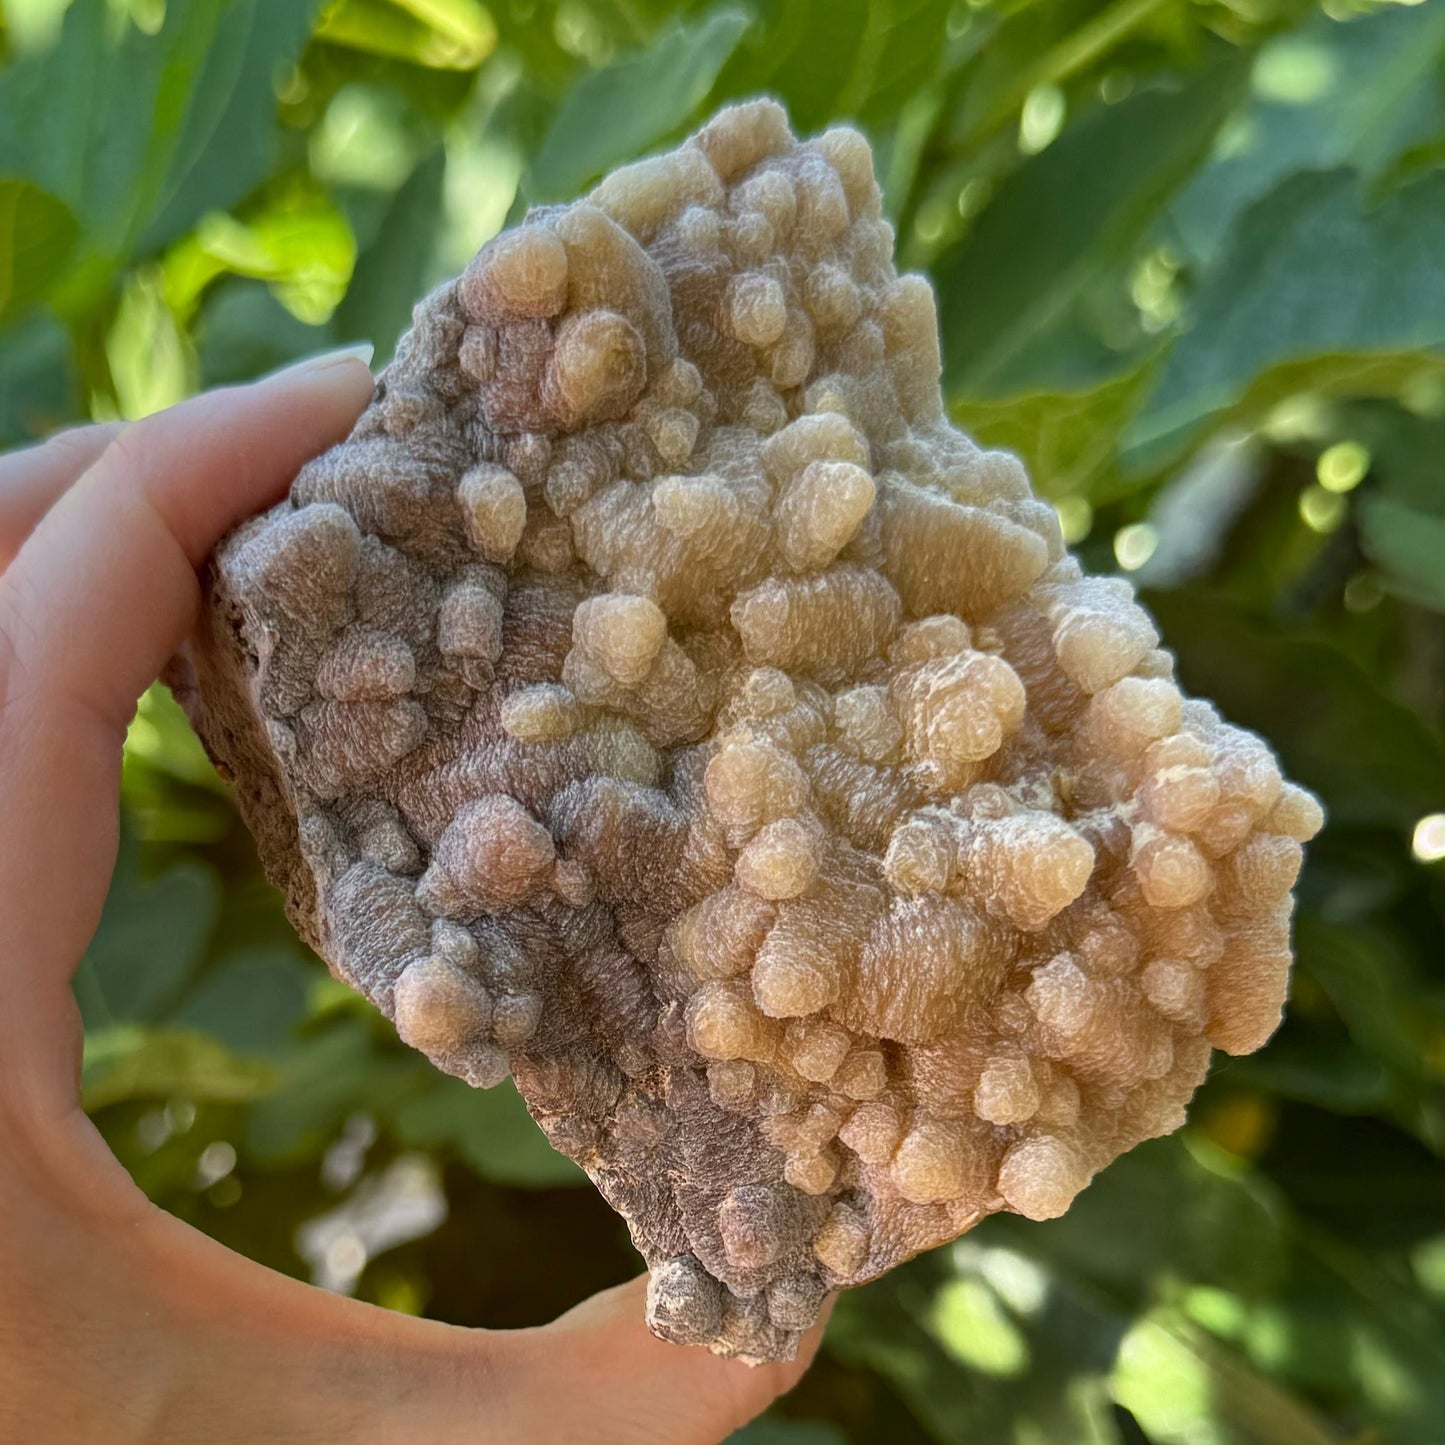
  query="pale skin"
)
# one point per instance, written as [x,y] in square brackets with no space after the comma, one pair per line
[118,1322]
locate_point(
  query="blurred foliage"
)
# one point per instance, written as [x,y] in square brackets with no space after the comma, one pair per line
[1189,264]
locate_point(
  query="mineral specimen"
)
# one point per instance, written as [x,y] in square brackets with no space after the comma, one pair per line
[657,698]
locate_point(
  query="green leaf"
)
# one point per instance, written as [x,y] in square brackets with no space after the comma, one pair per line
[37,232]
[97,120]
[439,34]
[244,331]
[620,111]
[249,1000]
[37,382]
[778,1430]
[1409,545]
[129,1062]
[160,737]
[1324,94]
[229,138]
[392,271]
[1185,1389]
[1066,439]
[328,1076]
[490,1129]
[1372,761]
[152,938]
[1021,271]
[1016,1366]
[1312,271]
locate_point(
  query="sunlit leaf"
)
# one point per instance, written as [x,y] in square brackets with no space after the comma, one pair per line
[150,358]
[127,1062]
[441,34]
[160,737]
[1184,1389]
[299,242]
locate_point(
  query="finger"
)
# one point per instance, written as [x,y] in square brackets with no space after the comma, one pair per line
[99,596]
[628,1386]
[32,480]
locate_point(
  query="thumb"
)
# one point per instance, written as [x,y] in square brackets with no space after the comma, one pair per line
[616,1384]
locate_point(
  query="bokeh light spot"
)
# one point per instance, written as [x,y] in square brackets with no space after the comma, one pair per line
[1076,517]
[1042,118]
[1134,545]
[1428,843]
[1342,467]
[1321,511]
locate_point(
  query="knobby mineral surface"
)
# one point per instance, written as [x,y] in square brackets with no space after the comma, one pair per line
[657,698]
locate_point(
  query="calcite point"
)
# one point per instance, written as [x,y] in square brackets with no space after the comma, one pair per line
[657,698]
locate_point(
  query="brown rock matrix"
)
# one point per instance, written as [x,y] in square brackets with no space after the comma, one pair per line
[657,698]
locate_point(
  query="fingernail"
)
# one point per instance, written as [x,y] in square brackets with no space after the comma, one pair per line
[361,351]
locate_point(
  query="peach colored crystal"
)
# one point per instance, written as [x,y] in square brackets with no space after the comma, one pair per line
[657,698]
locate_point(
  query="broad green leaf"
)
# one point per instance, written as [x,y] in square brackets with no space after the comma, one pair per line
[1371,760]
[1409,545]
[1324,94]
[249,1000]
[617,113]
[151,940]
[126,1062]
[489,1129]
[393,270]
[328,1076]
[37,232]
[1167,1208]
[98,120]
[900,56]
[1339,1077]
[1027,263]
[1313,270]
[229,137]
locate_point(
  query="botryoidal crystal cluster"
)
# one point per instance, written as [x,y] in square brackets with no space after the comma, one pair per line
[656,698]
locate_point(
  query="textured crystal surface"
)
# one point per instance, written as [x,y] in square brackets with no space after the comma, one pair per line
[657,698]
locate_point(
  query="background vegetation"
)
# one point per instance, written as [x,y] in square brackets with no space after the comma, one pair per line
[1190,256]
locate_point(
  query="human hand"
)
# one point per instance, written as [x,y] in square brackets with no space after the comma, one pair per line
[118,1323]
